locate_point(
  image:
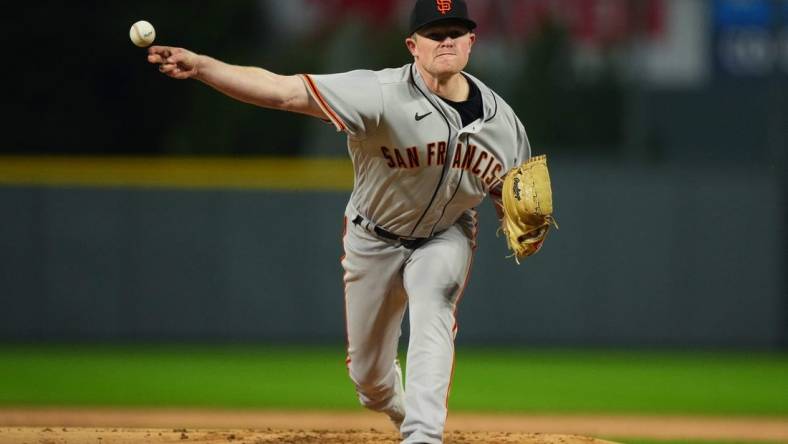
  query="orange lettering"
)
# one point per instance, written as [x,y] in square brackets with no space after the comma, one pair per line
[430,153]
[444,6]
[457,156]
[494,176]
[489,164]
[469,154]
[400,160]
[476,169]
[413,157]
[386,154]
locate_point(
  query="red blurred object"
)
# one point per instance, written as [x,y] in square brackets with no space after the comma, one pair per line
[377,12]
[593,22]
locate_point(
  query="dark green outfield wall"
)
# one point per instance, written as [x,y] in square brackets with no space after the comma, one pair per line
[644,257]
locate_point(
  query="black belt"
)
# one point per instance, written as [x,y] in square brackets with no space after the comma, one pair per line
[410,243]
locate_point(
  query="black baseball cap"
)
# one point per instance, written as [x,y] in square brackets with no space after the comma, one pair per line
[430,12]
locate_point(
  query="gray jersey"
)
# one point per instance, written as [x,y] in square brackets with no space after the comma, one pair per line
[417,169]
[418,174]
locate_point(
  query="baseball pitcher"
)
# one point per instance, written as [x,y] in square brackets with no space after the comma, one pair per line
[428,142]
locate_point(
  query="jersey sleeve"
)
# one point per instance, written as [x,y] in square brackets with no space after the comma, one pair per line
[522,153]
[523,144]
[352,101]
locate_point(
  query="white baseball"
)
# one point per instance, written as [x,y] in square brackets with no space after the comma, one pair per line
[142,33]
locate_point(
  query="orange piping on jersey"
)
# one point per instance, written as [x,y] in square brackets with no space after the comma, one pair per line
[456,306]
[333,116]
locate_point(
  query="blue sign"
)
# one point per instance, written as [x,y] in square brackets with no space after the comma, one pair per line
[743,13]
[750,37]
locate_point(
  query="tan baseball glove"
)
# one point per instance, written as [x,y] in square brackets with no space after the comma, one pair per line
[527,207]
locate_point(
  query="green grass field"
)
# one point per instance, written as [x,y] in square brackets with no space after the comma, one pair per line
[486,380]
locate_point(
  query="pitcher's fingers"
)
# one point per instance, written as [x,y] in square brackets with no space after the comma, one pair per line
[167,67]
[181,75]
[178,57]
[163,51]
[157,49]
[155,58]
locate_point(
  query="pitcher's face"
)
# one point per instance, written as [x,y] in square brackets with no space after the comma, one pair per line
[442,49]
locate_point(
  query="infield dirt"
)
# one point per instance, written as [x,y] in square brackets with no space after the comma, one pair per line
[124,426]
[133,436]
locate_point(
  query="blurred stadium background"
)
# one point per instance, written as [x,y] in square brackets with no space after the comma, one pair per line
[141,210]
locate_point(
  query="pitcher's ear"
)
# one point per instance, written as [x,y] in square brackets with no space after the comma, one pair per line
[410,42]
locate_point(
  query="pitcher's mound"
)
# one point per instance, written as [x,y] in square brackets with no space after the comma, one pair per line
[64,435]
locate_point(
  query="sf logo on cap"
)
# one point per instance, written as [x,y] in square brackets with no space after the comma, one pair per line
[444,6]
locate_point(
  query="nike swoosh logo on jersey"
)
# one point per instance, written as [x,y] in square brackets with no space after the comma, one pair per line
[418,117]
